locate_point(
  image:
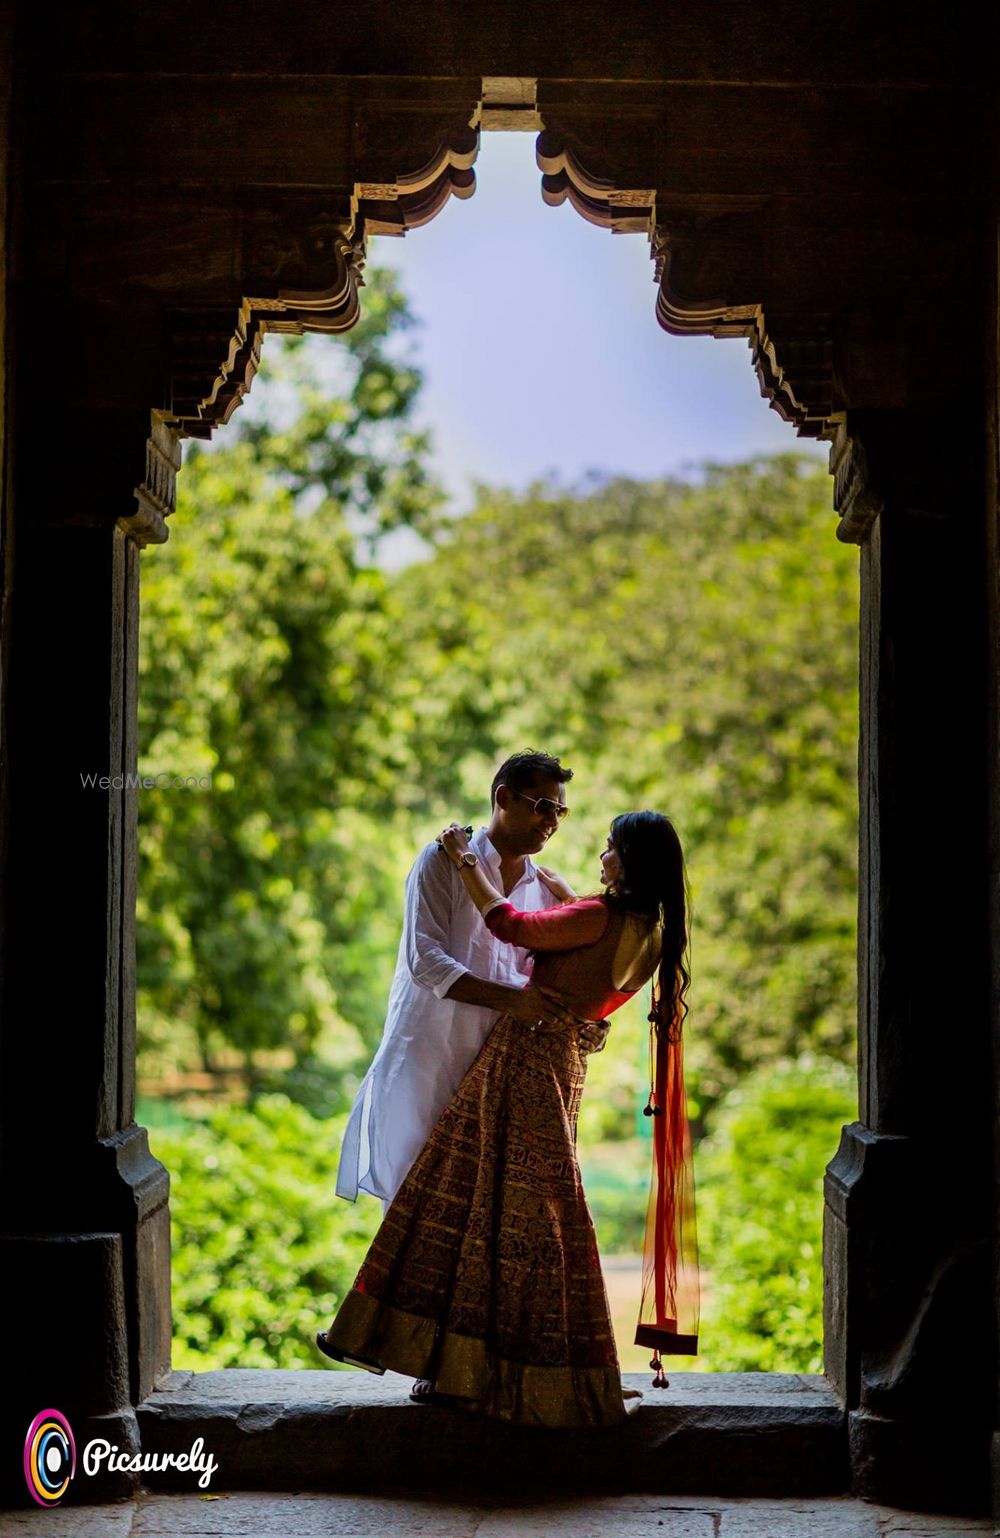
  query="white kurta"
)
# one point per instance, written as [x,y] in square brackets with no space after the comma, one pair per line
[430,1042]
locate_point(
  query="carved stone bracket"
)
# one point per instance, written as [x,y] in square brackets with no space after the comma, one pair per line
[705,251]
[913,458]
[306,272]
[392,208]
[595,198]
[302,262]
[214,357]
[856,499]
[796,371]
[156,495]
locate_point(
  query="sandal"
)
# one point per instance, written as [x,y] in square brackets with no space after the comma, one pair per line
[341,1356]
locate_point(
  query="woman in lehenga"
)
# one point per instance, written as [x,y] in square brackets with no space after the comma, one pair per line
[484,1279]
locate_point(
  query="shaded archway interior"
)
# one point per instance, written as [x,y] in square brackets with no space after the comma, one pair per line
[170,201]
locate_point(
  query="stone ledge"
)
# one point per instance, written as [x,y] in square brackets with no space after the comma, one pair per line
[727,1433]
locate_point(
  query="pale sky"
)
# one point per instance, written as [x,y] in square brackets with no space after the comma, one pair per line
[542,352]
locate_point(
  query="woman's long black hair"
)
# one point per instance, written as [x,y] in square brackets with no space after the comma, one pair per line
[653,882]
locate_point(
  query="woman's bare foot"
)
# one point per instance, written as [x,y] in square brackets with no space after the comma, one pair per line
[424,1392]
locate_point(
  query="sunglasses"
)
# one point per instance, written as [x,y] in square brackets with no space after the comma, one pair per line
[545,806]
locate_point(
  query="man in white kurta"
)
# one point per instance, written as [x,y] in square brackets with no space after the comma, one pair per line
[431,1040]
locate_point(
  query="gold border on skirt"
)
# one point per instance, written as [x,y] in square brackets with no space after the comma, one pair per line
[463,1366]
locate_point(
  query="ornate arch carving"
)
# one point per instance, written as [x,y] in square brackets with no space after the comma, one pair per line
[595,198]
[301,259]
[707,252]
[703,248]
[302,262]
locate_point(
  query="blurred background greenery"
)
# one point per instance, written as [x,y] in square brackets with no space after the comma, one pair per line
[687,645]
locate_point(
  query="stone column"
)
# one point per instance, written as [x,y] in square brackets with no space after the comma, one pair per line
[992,336]
[85,1225]
[908,1250]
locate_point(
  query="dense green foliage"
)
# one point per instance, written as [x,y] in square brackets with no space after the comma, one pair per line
[265,663]
[263,1250]
[689,647]
[760,1216]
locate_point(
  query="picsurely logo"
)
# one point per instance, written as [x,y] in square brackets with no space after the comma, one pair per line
[50,1458]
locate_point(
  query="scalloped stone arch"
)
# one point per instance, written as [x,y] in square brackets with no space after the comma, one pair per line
[692,300]
[304,262]
[306,275]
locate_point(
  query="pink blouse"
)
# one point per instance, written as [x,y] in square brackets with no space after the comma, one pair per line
[574,950]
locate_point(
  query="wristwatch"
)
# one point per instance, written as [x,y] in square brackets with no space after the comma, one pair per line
[468,858]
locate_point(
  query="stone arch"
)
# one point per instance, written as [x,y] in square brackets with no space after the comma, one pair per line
[149,268]
[303,262]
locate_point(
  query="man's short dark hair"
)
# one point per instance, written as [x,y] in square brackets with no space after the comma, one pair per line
[522,770]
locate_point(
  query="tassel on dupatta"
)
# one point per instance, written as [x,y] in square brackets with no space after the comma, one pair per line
[669,1310]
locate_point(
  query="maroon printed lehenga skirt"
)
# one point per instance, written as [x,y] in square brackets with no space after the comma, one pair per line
[484,1275]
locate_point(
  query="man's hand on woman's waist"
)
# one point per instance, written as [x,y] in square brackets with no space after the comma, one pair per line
[531,1006]
[527,1004]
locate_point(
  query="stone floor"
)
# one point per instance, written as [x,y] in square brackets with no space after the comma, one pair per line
[311,1515]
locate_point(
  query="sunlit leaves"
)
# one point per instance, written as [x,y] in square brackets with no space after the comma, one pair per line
[760,1216]
[267,655]
[335,423]
[263,1251]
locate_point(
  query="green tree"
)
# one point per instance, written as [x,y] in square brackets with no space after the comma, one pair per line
[760,1215]
[265,663]
[687,647]
[263,1252]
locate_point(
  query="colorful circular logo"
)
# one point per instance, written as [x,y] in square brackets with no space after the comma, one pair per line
[49,1457]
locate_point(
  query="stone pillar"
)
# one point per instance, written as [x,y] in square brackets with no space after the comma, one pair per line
[85,1225]
[907,1246]
[992,336]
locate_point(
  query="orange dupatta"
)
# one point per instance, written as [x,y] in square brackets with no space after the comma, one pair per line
[669,1310]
